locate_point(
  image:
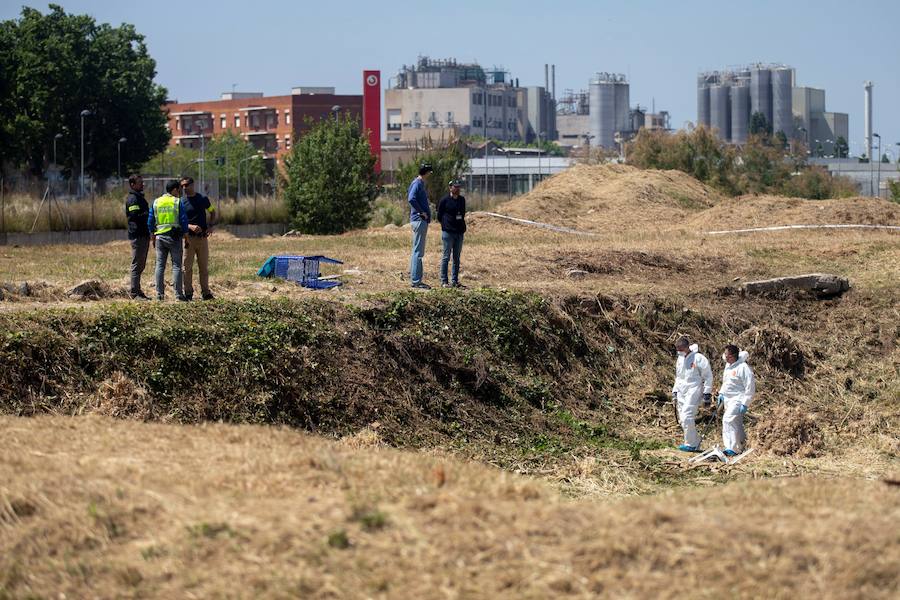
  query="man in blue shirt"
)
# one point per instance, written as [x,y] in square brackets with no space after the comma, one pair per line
[419,217]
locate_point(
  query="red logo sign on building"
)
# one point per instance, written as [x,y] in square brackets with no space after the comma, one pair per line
[372,113]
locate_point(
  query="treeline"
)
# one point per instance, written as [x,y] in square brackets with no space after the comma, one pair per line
[766,164]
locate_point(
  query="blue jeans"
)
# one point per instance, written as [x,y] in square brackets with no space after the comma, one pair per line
[452,245]
[419,231]
[166,246]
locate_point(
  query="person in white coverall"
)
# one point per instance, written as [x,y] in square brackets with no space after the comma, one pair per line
[736,393]
[693,381]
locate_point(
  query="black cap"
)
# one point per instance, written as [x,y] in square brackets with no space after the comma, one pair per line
[455,183]
[425,168]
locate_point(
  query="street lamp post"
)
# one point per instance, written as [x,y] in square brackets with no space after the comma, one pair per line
[55,137]
[122,140]
[243,160]
[84,113]
[878,184]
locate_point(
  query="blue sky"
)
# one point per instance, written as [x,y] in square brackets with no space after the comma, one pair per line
[203,47]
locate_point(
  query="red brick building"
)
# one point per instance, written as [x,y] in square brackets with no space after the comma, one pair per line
[271,123]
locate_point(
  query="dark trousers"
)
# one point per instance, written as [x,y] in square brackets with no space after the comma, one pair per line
[139,249]
[453,243]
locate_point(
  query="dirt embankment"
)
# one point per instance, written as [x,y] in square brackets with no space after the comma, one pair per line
[512,378]
[621,198]
[765,211]
[611,198]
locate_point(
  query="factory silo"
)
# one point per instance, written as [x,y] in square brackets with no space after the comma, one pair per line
[702,101]
[761,92]
[782,98]
[740,111]
[602,110]
[720,110]
[623,110]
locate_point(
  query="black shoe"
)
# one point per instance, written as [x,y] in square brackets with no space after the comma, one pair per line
[139,296]
[208,296]
[457,284]
[188,297]
[421,286]
[444,284]
[183,298]
[160,298]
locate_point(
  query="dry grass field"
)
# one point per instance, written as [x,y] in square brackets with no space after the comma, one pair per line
[512,439]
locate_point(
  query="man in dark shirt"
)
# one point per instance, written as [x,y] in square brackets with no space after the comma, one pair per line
[201,216]
[452,216]
[136,211]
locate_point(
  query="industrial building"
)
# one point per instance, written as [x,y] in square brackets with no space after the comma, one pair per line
[270,123]
[445,99]
[601,115]
[727,99]
[816,127]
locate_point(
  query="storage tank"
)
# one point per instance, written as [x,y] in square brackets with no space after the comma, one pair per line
[602,111]
[623,117]
[720,110]
[782,101]
[761,92]
[702,101]
[740,112]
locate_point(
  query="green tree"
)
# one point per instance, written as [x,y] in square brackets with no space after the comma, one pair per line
[781,140]
[841,147]
[448,161]
[54,66]
[759,125]
[894,186]
[229,155]
[885,158]
[330,179]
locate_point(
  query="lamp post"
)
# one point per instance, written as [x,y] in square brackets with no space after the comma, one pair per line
[84,113]
[58,136]
[243,160]
[122,140]
[335,110]
[878,184]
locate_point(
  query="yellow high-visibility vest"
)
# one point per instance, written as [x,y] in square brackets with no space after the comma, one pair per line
[166,210]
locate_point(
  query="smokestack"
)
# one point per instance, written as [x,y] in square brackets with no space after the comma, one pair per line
[546,77]
[868,115]
[553,81]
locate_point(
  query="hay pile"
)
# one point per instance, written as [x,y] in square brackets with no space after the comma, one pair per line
[764,211]
[775,347]
[613,198]
[790,431]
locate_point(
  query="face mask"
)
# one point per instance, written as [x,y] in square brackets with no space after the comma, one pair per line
[680,353]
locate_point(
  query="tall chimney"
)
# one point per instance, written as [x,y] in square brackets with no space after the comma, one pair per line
[553,81]
[868,116]
[546,77]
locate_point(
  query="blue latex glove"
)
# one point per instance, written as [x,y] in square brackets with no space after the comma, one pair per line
[743,409]
[720,399]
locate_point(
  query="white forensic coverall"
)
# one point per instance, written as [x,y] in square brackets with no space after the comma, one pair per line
[693,378]
[738,388]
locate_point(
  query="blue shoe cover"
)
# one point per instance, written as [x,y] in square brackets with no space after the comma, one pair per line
[729,452]
[686,448]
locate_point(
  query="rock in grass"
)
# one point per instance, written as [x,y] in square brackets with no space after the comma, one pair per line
[576,274]
[820,285]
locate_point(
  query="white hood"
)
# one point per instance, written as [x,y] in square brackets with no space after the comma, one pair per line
[694,347]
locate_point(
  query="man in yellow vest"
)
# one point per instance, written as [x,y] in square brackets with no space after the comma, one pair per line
[168,223]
